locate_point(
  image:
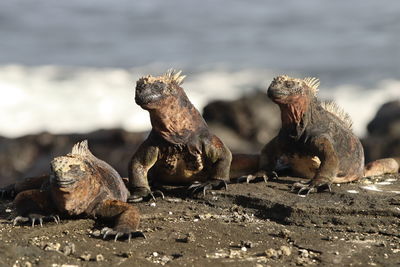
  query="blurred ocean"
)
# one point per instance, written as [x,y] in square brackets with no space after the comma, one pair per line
[71,66]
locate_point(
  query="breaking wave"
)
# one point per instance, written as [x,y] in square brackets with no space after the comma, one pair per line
[77,99]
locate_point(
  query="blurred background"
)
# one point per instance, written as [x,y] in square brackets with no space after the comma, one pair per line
[70,67]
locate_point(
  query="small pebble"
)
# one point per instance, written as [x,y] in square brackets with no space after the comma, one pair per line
[165,259]
[153,204]
[304,253]
[155,254]
[69,249]
[8,211]
[52,247]
[204,216]
[271,253]
[190,238]
[85,256]
[99,257]
[284,233]
[247,244]
[96,233]
[286,251]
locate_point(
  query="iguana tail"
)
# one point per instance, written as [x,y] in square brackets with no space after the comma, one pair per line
[382,166]
[244,164]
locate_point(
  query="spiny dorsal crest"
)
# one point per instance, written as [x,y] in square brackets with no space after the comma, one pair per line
[170,76]
[333,108]
[81,149]
[174,76]
[313,83]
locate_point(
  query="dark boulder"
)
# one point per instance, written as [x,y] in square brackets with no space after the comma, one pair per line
[245,124]
[31,155]
[383,139]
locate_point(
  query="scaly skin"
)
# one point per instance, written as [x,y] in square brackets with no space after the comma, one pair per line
[179,149]
[79,184]
[316,140]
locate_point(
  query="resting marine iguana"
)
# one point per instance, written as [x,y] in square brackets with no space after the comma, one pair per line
[79,185]
[315,140]
[180,148]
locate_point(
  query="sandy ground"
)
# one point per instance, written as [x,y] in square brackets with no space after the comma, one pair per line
[253,224]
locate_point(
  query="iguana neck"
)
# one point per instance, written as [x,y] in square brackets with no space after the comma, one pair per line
[177,120]
[296,116]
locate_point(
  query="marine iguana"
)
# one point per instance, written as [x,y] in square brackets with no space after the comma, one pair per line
[180,148]
[79,184]
[315,140]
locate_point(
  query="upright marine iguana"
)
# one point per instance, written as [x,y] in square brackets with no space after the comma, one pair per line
[316,140]
[79,185]
[180,148]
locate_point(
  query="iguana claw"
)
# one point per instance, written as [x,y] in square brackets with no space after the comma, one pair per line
[196,187]
[158,192]
[259,175]
[117,234]
[309,187]
[144,193]
[35,217]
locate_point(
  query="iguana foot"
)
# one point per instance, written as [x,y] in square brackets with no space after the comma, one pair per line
[123,232]
[33,218]
[257,176]
[7,192]
[143,193]
[305,188]
[197,187]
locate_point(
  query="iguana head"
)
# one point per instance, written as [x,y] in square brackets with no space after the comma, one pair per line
[172,115]
[68,172]
[153,92]
[287,90]
[294,97]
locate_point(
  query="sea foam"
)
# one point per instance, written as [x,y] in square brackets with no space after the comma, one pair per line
[77,99]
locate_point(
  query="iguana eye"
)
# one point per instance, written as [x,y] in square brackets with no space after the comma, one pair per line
[158,86]
[289,84]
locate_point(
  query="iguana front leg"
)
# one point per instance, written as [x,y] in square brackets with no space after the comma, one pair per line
[35,206]
[220,157]
[126,219]
[144,158]
[328,169]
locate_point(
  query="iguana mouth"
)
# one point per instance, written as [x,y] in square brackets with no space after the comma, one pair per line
[61,182]
[65,183]
[144,100]
[276,94]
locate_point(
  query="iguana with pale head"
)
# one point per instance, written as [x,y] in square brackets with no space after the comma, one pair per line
[180,149]
[79,184]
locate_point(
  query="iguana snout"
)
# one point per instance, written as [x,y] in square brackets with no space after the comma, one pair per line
[151,91]
[67,171]
[285,89]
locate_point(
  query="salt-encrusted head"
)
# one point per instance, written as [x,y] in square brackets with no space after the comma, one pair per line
[284,89]
[150,90]
[67,170]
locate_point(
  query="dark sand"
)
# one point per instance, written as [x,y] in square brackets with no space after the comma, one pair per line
[254,224]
